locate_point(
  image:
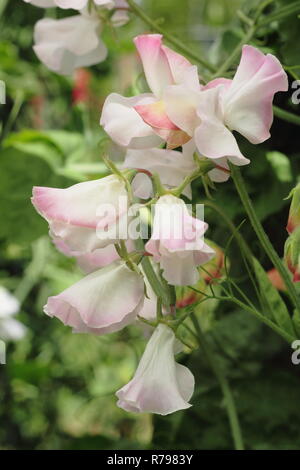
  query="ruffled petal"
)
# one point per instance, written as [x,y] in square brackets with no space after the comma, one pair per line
[155,63]
[105,300]
[124,125]
[160,385]
[59,44]
[248,100]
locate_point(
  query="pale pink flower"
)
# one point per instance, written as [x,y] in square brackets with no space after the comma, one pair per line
[102,302]
[160,385]
[243,104]
[85,216]
[128,121]
[177,241]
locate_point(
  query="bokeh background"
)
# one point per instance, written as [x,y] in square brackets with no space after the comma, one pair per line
[57,389]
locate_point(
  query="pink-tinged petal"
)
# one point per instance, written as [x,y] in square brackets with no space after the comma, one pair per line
[177,241]
[155,115]
[156,67]
[226,82]
[212,137]
[106,300]
[160,385]
[101,257]
[75,240]
[181,106]
[248,101]
[221,172]
[124,125]
[79,204]
[173,138]
[177,63]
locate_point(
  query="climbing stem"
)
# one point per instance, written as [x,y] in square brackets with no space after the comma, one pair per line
[228,397]
[286,115]
[262,236]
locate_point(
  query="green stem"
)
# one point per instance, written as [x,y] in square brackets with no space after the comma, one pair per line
[286,115]
[228,397]
[153,279]
[172,40]
[280,13]
[262,236]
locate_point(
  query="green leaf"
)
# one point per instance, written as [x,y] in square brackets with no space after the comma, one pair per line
[20,170]
[272,300]
[281,166]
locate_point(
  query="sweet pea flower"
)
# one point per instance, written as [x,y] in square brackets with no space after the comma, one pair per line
[128,121]
[243,104]
[102,302]
[69,43]
[160,385]
[10,328]
[177,241]
[85,216]
[171,166]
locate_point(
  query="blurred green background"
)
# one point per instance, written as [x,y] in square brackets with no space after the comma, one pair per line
[57,390]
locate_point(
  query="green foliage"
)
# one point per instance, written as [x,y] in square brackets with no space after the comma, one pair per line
[272,301]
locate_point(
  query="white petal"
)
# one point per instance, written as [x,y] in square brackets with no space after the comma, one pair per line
[11,329]
[155,62]
[106,300]
[69,43]
[160,385]
[9,305]
[171,166]
[124,125]
[248,100]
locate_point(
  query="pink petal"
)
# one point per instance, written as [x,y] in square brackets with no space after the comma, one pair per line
[248,100]
[156,67]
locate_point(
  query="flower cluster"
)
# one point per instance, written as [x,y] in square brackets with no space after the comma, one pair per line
[180,131]
[66,44]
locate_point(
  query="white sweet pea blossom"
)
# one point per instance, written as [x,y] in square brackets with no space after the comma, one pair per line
[85,216]
[160,385]
[104,301]
[177,241]
[66,44]
[10,328]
